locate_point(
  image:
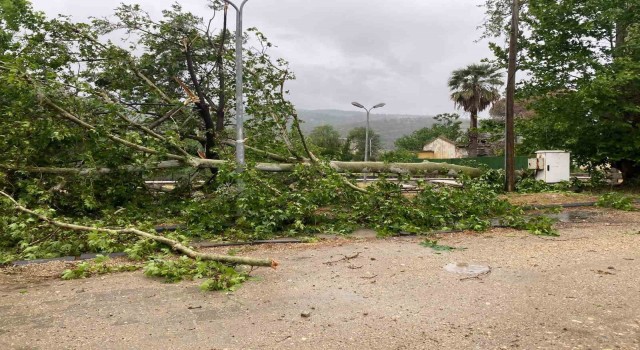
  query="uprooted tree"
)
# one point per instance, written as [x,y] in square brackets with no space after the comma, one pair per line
[91,112]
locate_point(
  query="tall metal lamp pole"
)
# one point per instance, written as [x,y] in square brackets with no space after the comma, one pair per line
[239,102]
[367,147]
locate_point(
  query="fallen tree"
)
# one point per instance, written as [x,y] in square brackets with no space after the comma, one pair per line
[174,245]
[425,167]
[341,167]
[86,122]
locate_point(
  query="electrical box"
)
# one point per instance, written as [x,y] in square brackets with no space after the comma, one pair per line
[551,166]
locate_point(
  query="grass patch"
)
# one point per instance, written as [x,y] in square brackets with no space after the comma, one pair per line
[616,201]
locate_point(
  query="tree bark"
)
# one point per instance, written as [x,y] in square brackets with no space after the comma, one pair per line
[221,78]
[405,168]
[175,245]
[473,134]
[341,167]
[203,107]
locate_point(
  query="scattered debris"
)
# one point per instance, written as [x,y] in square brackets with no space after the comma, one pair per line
[344,258]
[433,244]
[369,277]
[477,276]
[285,338]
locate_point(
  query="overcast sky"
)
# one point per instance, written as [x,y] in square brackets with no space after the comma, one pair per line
[400,52]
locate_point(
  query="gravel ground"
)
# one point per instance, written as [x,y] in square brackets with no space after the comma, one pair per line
[578,291]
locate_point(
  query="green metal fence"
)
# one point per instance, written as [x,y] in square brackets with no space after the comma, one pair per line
[491,162]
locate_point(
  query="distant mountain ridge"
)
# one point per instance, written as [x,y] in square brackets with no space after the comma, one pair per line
[390,127]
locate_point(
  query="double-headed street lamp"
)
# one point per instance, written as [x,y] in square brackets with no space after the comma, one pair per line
[367,148]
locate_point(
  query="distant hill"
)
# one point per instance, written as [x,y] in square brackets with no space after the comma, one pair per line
[389,126]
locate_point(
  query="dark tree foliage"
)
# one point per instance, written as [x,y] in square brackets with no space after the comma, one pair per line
[72,98]
[327,139]
[583,65]
[354,146]
[447,125]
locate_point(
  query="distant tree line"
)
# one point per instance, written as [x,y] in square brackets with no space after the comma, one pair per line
[329,144]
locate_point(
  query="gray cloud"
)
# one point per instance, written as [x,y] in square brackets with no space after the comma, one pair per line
[399,52]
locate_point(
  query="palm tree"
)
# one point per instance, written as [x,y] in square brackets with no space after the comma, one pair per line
[474,88]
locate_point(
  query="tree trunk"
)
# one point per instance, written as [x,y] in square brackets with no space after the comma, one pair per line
[405,168]
[221,78]
[630,170]
[473,134]
[423,168]
[204,111]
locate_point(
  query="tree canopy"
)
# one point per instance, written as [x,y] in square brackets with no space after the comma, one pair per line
[447,125]
[327,138]
[353,148]
[474,88]
[583,76]
[72,96]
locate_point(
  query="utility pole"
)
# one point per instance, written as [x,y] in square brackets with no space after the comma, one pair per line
[239,103]
[510,140]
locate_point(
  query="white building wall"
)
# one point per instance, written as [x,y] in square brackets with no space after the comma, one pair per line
[442,149]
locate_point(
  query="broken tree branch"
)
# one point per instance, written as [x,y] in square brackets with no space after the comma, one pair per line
[143,128]
[168,115]
[267,154]
[175,245]
[76,120]
[296,124]
[344,258]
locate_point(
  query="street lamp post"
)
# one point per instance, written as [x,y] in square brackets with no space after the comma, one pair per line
[367,147]
[239,102]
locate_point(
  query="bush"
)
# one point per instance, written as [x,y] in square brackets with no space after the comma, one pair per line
[616,201]
[217,276]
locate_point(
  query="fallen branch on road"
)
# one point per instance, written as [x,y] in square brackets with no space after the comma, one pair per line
[175,245]
[344,258]
[478,275]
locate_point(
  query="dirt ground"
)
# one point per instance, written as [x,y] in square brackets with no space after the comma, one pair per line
[577,291]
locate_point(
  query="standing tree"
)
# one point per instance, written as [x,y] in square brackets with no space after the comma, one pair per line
[327,138]
[474,88]
[582,77]
[448,125]
[356,141]
[498,111]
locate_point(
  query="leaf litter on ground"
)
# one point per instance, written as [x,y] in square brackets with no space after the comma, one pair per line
[438,248]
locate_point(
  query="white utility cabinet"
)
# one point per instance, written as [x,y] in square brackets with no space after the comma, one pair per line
[551,166]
